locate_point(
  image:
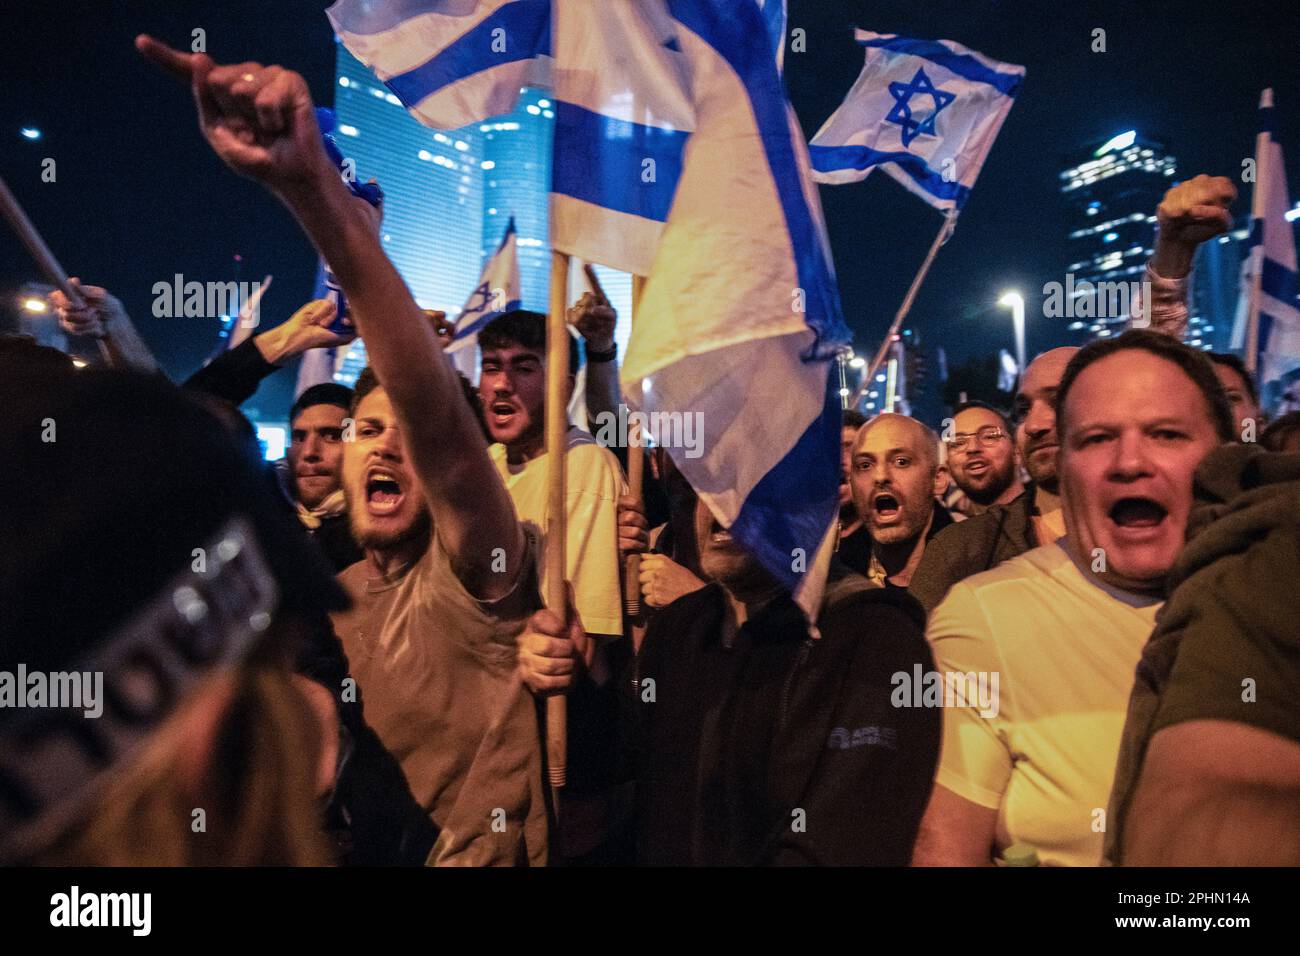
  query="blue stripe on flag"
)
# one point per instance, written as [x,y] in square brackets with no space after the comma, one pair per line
[607,170]
[829,159]
[1277,280]
[527,26]
[963,64]
[774,19]
[477,325]
[793,504]
[728,29]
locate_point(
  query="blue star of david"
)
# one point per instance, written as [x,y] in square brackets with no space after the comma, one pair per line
[901,112]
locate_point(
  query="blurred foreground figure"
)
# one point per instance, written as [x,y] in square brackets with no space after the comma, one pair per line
[158,592]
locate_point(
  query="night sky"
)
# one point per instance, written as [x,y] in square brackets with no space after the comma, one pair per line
[139,196]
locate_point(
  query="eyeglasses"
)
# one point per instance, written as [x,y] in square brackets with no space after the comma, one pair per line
[988,437]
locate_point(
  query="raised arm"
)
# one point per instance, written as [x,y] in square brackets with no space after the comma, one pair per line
[260,121]
[102,316]
[1190,213]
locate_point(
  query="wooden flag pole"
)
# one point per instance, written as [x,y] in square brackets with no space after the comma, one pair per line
[557,373]
[45,260]
[949,222]
[635,486]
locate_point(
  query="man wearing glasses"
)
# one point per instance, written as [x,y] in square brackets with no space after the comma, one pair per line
[982,456]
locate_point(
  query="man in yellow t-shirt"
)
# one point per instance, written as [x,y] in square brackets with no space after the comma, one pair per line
[1059,630]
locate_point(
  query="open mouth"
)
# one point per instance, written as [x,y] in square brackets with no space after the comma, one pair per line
[502,412]
[1138,513]
[976,466]
[886,506]
[718,534]
[383,493]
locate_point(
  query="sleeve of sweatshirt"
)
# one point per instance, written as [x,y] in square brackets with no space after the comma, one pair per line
[1168,300]
[232,375]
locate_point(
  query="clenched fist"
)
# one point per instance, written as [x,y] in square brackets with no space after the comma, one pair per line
[663,580]
[1190,213]
[99,307]
[552,652]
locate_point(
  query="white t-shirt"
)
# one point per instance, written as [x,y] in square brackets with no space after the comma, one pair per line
[1065,650]
[593,483]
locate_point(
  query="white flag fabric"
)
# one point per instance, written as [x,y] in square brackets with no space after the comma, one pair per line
[740,317]
[622,118]
[450,62]
[1268,275]
[250,311]
[498,291]
[926,111]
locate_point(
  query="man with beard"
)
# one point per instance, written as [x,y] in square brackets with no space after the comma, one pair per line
[1031,519]
[448,578]
[1064,624]
[760,742]
[315,459]
[982,456]
[895,479]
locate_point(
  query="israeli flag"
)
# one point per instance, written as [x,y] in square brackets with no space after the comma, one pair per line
[319,365]
[497,292]
[1268,273]
[927,111]
[450,62]
[740,316]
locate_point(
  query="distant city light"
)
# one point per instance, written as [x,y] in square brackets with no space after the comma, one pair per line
[844,393]
[1122,141]
[31,132]
[487,164]
[347,130]
[79,363]
[35,304]
[858,362]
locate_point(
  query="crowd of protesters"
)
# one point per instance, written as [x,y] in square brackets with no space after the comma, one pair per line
[344,658]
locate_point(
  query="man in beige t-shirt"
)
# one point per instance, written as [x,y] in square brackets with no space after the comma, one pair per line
[1059,630]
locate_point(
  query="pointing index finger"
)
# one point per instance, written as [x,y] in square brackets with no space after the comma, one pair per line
[173,62]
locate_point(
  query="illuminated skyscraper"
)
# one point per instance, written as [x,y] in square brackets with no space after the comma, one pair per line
[448,195]
[1112,192]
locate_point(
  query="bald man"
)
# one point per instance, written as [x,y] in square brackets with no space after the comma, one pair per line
[895,478]
[1031,520]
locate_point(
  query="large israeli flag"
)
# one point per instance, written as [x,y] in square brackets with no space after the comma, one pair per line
[497,292]
[740,316]
[1268,274]
[926,111]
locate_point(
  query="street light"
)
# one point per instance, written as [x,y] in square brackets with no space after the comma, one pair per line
[34,304]
[1017,303]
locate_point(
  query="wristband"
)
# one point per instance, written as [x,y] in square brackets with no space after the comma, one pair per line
[594,356]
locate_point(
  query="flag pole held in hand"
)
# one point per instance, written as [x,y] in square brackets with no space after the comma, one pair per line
[635,476]
[557,371]
[45,261]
